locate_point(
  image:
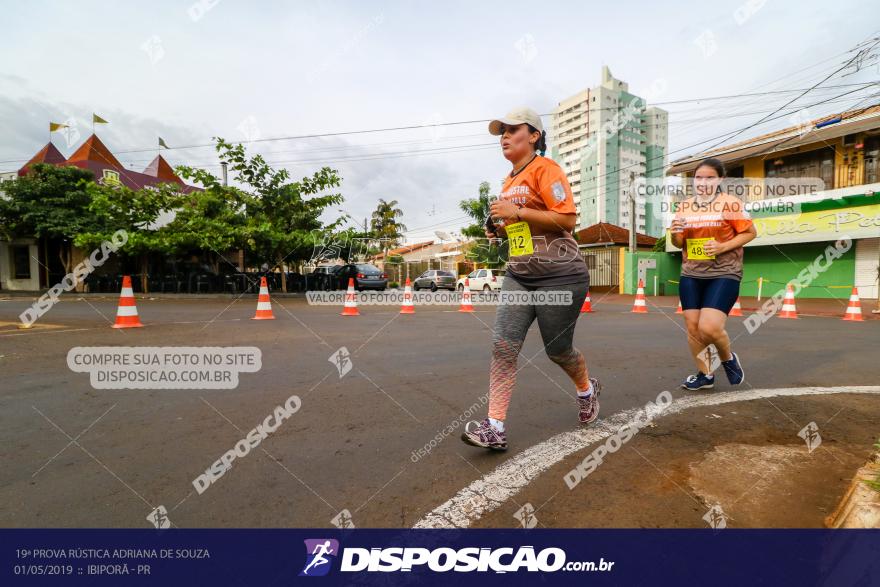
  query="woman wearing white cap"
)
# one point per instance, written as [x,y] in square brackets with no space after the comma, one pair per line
[536,212]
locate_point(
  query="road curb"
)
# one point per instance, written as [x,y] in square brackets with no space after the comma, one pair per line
[860,506]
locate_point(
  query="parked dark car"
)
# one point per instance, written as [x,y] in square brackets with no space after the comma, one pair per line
[365,276]
[434,279]
[323,278]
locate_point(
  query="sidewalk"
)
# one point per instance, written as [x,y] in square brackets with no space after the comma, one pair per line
[805,306]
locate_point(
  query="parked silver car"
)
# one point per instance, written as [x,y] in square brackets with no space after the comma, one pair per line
[435,279]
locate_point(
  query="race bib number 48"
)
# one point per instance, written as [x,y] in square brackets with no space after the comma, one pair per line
[696,249]
[520,239]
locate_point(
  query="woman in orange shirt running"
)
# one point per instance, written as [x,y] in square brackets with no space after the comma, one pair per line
[711,229]
[536,212]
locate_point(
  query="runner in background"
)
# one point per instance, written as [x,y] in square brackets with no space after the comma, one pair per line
[536,212]
[711,229]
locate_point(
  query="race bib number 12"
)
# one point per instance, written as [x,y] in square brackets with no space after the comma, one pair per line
[520,239]
[696,251]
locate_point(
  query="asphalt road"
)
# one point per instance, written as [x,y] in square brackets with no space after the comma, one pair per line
[74,456]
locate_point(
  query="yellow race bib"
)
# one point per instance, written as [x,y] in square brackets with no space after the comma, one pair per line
[696,251]
[520,239]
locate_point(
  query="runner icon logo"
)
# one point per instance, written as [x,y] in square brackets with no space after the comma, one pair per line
[526,516]
[716,518]
[810,434]
[320,553]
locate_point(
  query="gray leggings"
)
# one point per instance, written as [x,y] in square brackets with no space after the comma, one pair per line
[512,323]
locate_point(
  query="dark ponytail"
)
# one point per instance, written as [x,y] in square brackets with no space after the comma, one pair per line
[541,145]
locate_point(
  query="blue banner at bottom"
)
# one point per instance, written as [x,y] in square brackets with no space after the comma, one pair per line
[436,557]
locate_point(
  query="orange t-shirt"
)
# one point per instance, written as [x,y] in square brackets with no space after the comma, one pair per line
[721,219]
[556,260]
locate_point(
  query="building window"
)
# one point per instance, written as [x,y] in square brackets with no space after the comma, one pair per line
[21,261]
[817,163]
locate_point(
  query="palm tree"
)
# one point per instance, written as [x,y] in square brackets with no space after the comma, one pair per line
[478,209]
[483,252]
[384,224]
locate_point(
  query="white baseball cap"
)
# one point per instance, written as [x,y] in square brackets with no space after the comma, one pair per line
[521,115]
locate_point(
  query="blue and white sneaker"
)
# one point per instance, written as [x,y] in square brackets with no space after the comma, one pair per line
[699,381]
[734,370]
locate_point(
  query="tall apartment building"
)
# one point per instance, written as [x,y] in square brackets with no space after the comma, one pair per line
[602,135]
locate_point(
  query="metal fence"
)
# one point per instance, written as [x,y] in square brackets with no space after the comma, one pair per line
[604,266]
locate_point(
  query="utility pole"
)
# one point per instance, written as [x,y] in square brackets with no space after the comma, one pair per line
[632,213]
[224,169]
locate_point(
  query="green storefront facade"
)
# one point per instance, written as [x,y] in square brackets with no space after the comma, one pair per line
[787,244]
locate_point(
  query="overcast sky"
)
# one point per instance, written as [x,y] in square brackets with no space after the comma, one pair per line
[256,70]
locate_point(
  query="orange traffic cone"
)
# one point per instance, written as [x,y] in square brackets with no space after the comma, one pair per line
[737,310]
[587,308]
[264,306]
[407,307]
[679,310]
[854,309]
[639,306]
[351,305]
[127,312]
[466,297]
[788,307]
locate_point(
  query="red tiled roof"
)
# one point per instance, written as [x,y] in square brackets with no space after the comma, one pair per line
[94,150]
[159,168]
[605,232]
[48,154]
[406,249]
[94,156]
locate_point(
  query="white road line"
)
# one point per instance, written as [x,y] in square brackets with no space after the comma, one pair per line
[494,488]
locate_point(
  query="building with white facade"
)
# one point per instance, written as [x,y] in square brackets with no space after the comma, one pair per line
[603,138]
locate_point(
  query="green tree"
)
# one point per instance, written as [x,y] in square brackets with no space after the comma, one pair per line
[211,221]
[478,209]
[483,251]
[660,245]
[385,226]
[135,211]
[282,218]
[49,202]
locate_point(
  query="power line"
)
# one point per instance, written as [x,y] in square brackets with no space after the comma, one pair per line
[829,76]
[439,124]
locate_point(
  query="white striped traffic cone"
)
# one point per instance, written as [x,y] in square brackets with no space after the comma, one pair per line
[639,306]
[737,310]
[854,309]
[351,306]
[264,306]
[466,297]
[788,308]
[587,307]
[407,307]
[127,312]
[679,310]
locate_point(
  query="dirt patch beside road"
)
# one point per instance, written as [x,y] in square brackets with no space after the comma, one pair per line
[745,457]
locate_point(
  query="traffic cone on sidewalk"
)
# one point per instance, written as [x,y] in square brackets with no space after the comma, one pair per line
[264,306]
[587,308]
[127,312]
[407,306]
[466,297]
[351,306]
[679,310]
[854,309]
[737,310]
[788,307]
[639,306]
